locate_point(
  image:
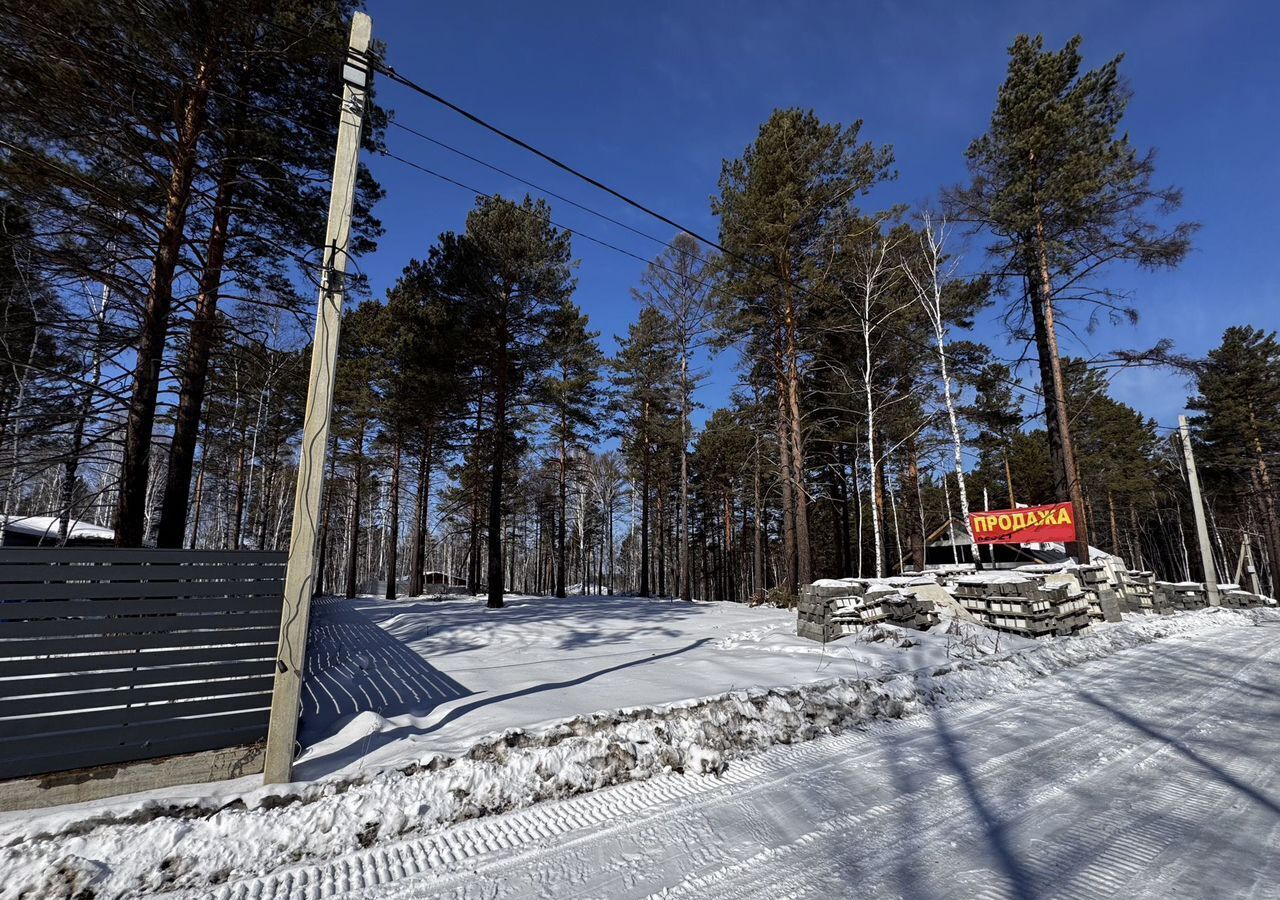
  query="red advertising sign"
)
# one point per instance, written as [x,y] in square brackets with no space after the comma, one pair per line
[1030,525]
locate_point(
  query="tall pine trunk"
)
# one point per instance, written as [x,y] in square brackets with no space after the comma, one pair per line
[686,588]
[353,533]
[326,511]
[645,589]
[912,505]
[563,500]
[131,500]
[757,530]
[804,553]
[1062,451]
[662,544]
[393,539]
[497,474]
[195,370]
[790,572]
[418,551]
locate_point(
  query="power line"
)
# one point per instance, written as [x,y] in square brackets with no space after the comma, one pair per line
[400,79]
[395,76]
[406,82]
[574,231]
[538,187]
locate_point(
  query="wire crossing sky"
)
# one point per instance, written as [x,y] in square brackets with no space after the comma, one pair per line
[651,99]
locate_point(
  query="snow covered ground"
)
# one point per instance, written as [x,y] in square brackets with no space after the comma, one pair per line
[421,715]
[390,681]
[1152,774]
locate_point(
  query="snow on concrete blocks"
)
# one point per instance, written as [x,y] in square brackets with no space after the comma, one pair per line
[1023,603]
[830,609]
[1168,597]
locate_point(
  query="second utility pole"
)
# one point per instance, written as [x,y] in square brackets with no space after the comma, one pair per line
[1197,507]
[299,578]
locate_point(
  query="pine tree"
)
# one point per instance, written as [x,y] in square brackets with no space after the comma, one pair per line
[1238,400]
[1115,446]
[571,392]
[720,460]
[267,172]
[644,413]
[776,205]
[679,284]
[358,399]
[425,395]
[1063,194]
[512,266]
[997,416]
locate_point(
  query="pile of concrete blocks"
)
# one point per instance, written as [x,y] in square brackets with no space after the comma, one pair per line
[1170,596]
[1136,590]
[1104,603]
[1023,604]
[1236,597]
[831,609]
[949,575]
[911,612]
[1090,582]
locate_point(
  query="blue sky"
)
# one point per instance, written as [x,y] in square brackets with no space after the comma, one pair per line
[649,98]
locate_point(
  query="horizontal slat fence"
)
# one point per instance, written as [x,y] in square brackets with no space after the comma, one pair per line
[117,655]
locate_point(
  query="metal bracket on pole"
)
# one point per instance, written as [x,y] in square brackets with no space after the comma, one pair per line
[299,582]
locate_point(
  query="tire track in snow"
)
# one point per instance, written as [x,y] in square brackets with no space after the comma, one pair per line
[610,806]
[1125,847]
[517,839]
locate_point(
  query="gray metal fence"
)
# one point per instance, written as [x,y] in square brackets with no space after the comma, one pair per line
[115,655]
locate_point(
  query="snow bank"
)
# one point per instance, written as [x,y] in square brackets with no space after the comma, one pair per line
[198,846]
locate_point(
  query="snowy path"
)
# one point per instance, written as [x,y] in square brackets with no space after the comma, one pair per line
[1154,773]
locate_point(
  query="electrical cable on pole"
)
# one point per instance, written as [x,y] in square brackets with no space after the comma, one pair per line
[299,581]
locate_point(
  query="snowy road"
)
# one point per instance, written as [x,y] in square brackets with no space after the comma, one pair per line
[1154,773]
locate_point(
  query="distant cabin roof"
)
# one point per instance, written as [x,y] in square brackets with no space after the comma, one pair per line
[46,528]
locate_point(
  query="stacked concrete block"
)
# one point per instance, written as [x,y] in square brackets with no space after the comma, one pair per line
[911,612]
[1137,589]
[1236,598]
[972,596]
[1175,596]
[1104,603]
[853,612]
[1168,597]
[1025,606]
[813,618]
[1091,582]
[829,610]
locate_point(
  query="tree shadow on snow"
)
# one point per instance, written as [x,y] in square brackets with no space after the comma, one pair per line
[1020,877]
[454,624]
[1208,766]
[321,766]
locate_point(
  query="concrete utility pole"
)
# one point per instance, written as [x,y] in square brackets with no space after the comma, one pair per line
[299,580]
[1246,555]
[1197,506]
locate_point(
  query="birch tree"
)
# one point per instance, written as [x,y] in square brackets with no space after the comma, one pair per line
[927,277]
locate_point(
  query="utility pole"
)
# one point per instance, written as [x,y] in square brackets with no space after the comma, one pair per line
[1197,507]
[1246,555]
[299,580]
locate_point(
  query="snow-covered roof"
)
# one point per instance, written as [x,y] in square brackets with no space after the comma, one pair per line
[1095,555]
[46,527]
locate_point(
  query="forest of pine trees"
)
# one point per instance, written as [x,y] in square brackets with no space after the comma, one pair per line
[163,178]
